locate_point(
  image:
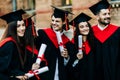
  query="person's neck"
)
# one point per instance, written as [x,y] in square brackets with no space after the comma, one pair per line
[102,25]
[59,31]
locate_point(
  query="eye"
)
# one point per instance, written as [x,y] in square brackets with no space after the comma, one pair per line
[18,25]
[52,20]
[104,14]
[86,25]
[81,26]
[57,21]
[108,13]
[23,24]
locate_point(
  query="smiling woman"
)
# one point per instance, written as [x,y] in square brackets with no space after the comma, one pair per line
[84,68]
[17,49]
[20,28]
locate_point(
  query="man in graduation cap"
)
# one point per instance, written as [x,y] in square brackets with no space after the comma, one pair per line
[56,59]
[107,40]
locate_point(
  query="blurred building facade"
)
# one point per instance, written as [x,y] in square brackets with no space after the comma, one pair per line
[44,11]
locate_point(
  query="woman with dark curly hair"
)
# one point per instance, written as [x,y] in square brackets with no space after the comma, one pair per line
[83,63]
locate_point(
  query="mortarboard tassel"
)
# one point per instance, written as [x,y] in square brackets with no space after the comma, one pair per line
[33,30]
[26,23]
[66,22]
[73,25]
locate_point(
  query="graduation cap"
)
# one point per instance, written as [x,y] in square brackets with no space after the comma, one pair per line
[13,16]
[59,13]
[82,17]
[98,6]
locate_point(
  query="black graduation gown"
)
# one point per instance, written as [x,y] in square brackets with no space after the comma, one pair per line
[52,53]
[107,53]
[30,59]
[8,59]
[84,70]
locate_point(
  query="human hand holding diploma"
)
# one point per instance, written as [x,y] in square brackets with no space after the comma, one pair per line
[41,54]
[64,52]
[40,57]
[35,71]
[80,53]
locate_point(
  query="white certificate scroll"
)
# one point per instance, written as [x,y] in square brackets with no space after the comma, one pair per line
[41,53]
[60,42]
[39,71]
[80,44]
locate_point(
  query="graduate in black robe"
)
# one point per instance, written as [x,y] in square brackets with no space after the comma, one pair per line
[17,51]
[83,63]
[56,60]
[107,40]
[7,50]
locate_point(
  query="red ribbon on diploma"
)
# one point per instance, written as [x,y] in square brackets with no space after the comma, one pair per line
[61,44]
[43,59]
[32,72]
[82,48]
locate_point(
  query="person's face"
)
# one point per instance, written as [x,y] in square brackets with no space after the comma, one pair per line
[104,16]
[20,28]
[57,23]
[83,28]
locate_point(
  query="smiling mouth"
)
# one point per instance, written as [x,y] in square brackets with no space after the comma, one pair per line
[108,19]
[55,26]
[21,32]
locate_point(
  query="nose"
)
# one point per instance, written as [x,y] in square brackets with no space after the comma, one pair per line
[22,27]
[54,22]
[108,15]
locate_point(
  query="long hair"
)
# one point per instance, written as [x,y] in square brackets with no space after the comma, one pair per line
[90,36]
[27,39]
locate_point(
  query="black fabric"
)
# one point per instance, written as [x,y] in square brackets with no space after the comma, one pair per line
[52,54]
[107,58]
[30,59]
[85,69]
[3,77]
[98,6]
[82,17]
[10,61]
[59,13]
[13,16]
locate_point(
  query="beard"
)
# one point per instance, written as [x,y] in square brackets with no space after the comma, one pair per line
[103,22]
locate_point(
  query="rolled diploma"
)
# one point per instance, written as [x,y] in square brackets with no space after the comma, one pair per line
[59,39]
[39,71]
[41,53]
[80,44]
